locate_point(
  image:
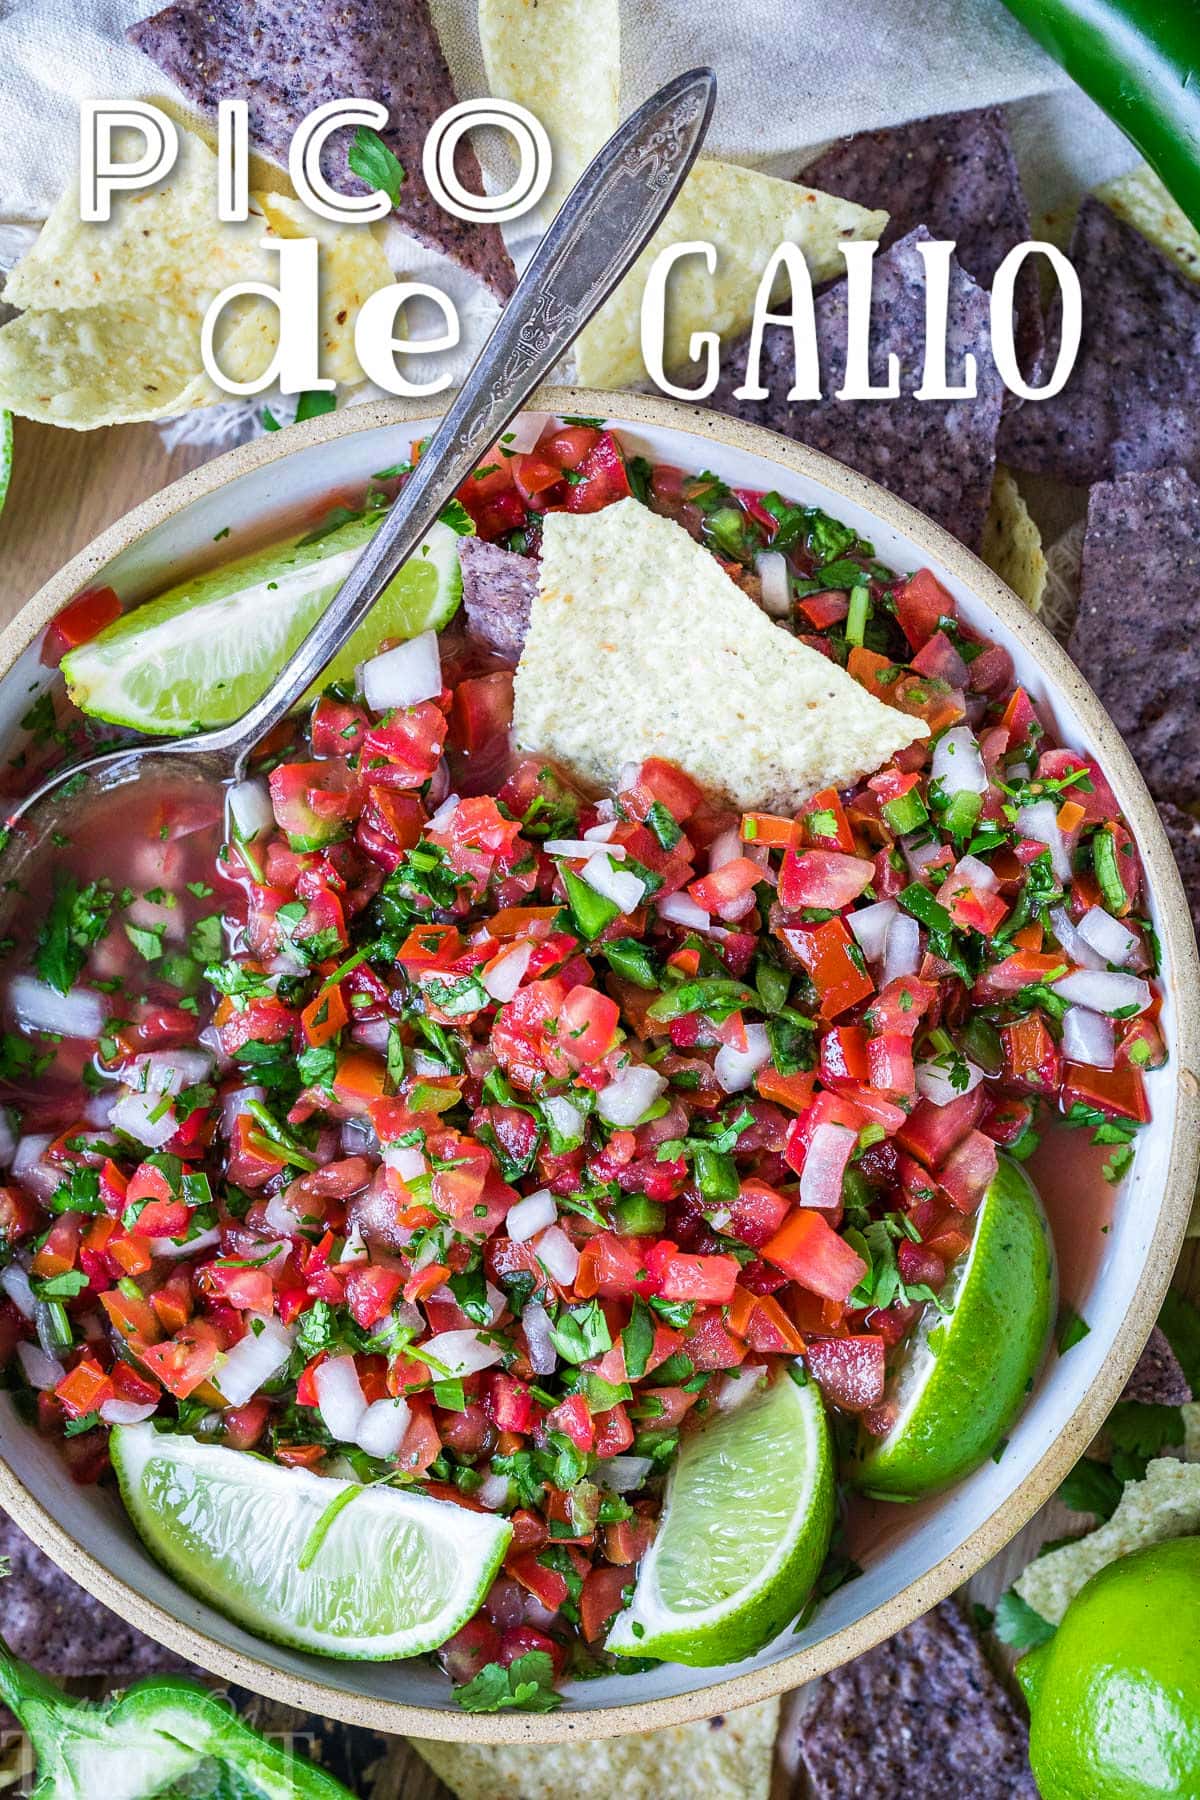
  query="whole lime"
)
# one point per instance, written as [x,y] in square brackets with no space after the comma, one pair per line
[1115,1694]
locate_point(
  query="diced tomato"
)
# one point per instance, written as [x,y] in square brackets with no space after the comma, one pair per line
[812,1253]
[968,1171]
[823,878]
[604,477]
[726,885]
[848,1370]
[573,1417]
[1120,1091]
[921,605]
[930,1132]
[708,1279]
[833,960]
[590,1020]
[182,1363]
[603,1596]
[79,621]
[84,1388]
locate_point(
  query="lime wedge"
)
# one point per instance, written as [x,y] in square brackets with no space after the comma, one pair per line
[6,455]
[203,652]
[744,1531]
[388,1573]
[961,1378]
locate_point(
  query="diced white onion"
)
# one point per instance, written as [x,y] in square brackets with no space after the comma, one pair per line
[740,1385]
[566,1119]
[630,1094]
[681,909]
[167,1071]
[919,851]
[29,1153]
[383,1427]
[1039,823]
[736,1069]
[410,673]
[504,976]
[981,877]
[557,1255]
[254,1360]
[203,1240]
[621,886]
[496,1299]
[461,1352]
[492,1492]
[354,1250]
[127,1412]
[97,1109]
[1104,990]
[622,1474]
[531,1215]
[726,847]
[236,1105]
[524,432]
[131,1114]
[250,809]
[581,847]
[358,1137]
[15,1282]
[1077,949]
[601,833]
[1088,1037]
[281,1217]
[902,955]
[957,765]
[8,1137]
[340,1399]
[445,813]
[771,568]
[1111,940]
[40,1370]
[421,1063]
[869,925]
[826,1150]
[39,1007]
[543,1356]
[934,1083]
[406,1161]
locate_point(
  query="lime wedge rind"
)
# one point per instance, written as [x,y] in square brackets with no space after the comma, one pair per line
[199,655]
[395,1575]
[962,1377]
[745,1528]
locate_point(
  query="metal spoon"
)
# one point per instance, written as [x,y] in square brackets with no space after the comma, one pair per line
[605,223]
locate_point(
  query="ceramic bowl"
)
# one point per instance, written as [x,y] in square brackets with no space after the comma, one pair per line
[914,1555]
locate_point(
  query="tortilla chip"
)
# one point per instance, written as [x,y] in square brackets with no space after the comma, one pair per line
[1135,634]
[1143,202]
[498,590]
[1165,1505]
[1183,832]
[1060,599]
[1133,398]
[353,267]
[957,176]
[286,57]
[640,645]
[743,215]
[1012,543]
[921,1715]
[1158,1378]
[938,454]
[561,59]
[102,365]
[726,1758]
[166,242]
[49,1621]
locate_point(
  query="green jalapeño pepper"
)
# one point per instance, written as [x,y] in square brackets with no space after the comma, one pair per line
[165,1738]
[1140,61]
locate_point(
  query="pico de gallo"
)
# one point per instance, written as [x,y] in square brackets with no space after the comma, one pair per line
[449,1123]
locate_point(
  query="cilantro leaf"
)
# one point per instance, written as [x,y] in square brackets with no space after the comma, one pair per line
[527,1684]
[1018,1625]
[371,160]
[78,918]
[1091,1488]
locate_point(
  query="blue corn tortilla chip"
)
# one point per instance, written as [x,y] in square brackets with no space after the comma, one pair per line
[922,1715]
[1135,633]
[498,590]
[1132,401]
[957,176]
[287,56]
[1158,1378]
[938,454]
[51,1622]
[1183,834]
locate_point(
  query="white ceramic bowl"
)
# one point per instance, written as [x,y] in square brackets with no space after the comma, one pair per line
[920,1553]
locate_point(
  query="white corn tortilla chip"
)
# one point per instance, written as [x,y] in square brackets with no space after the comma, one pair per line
[1143,202]
[1012,543]
[561,59]
[1165,1505]
[641,645]
[353,266]
[102,365]
[727,1758]
[165,243]
[744,215]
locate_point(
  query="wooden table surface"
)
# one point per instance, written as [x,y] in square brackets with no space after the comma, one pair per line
[67,487]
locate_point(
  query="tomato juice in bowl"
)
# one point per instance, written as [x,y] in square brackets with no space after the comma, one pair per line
[905,1552]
